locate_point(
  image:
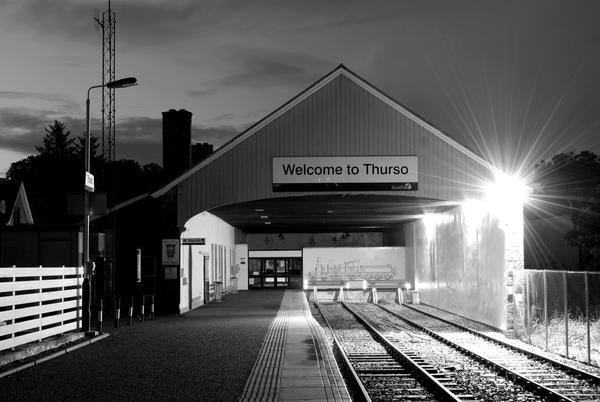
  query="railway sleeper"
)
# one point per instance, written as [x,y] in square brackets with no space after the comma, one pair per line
[379,371]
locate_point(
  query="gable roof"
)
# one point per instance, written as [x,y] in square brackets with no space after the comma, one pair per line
[339,70]
[14,205]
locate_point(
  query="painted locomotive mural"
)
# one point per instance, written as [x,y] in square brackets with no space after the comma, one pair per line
[379,266]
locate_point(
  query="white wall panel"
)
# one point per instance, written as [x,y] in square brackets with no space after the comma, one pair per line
[460,268]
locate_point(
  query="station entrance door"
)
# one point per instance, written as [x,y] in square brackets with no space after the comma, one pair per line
[282,272]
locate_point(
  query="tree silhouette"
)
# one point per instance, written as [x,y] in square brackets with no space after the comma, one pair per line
[94,145]
[56,142]
[58,170]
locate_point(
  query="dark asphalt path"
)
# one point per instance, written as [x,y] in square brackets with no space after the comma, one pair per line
[205,355]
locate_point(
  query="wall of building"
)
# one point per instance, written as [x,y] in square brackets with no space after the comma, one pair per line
[219,248]
[460,264]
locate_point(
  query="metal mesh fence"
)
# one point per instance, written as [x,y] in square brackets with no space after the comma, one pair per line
[560,313]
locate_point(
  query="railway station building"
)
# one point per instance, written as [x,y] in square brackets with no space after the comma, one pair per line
[341,186]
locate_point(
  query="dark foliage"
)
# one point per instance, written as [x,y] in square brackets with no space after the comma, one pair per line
[59,169]
[571,183]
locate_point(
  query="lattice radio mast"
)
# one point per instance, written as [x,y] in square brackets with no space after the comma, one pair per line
[107,24]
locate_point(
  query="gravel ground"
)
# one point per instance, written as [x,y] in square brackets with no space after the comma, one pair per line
[468,373]
[205,355]
[498,335]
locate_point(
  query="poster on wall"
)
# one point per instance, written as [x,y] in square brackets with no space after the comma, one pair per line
[170,251]
[335,266]
[171,272]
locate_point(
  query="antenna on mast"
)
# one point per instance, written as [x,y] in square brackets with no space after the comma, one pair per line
[106,22]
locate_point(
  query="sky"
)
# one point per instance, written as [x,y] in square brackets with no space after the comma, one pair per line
[515,81]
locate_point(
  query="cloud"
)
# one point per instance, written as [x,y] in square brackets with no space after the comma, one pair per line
[137,138]
[62,102]
[217,135]
[226,116]
[22,129]
[140,138]
[258,68]
[144,23]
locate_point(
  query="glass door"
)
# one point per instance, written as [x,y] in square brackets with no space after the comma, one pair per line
[281,279]
[275,273]
[295,273]
[270,279]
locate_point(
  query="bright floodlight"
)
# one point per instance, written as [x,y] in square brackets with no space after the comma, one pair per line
[506,196]
[507,189]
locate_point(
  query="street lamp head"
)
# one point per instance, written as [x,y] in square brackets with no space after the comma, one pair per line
[122,83]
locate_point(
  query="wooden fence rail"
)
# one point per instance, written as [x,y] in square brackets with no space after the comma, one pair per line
[39,302]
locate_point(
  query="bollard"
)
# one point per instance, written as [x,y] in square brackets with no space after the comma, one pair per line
[152,308]
[400,296]
[341,295]
[374,294]
[142,310]
[100,316]
[118,313]
[131,312]
[315,294]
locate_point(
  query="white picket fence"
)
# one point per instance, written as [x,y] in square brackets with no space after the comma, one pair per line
[39,302]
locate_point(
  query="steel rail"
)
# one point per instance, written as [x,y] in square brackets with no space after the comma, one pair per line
[435,387]
[359,392]
[527,383]
[594,379]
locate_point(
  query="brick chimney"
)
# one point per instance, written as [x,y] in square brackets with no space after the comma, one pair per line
[177,142]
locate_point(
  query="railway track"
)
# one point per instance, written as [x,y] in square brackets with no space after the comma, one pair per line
[382,369]
[548,378]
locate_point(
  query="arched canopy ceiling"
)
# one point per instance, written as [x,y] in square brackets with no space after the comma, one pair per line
[327,213]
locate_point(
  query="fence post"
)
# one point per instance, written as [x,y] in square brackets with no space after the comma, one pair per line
[130,312]
[566,306]
[587,314]
[39,338]
[527,315]
[79,296]
[100,316]
[546,307]
[62,300]
[118,313]
[14,305]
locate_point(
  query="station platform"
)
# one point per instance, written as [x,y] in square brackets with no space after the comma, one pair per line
[257,345]
[295,362]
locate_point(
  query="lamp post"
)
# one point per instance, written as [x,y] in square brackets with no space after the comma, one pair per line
[88,187]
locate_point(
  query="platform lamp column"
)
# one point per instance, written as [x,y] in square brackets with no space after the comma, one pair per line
[89,187]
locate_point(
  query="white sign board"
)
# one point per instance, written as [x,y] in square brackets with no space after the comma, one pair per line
[139,264]
[89,181]
[194,241]
[345,173]
[170,251]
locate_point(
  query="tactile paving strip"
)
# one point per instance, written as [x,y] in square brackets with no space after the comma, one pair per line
[264,382]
